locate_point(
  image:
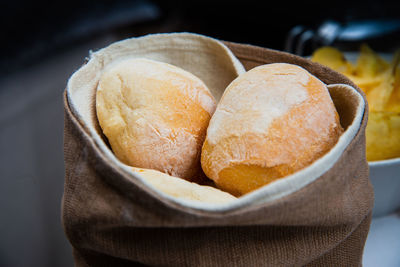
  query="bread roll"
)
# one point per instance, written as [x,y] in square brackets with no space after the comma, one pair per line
[155,115]
[271,122]
[182,189]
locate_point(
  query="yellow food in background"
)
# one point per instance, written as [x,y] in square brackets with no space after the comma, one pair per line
[380,80]
[333,58]
[383,136]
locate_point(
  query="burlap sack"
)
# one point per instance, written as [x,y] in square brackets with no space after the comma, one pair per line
[319,216]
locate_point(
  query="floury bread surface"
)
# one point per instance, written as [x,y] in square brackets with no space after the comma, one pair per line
[271,121]
[155,115]
[183,189]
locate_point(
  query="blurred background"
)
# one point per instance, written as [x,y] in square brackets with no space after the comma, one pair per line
[43,43]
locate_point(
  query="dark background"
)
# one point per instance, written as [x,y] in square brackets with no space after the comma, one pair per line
[33,29]
[42,43]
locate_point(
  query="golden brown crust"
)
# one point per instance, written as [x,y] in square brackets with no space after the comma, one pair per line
[154,115]
[300,130]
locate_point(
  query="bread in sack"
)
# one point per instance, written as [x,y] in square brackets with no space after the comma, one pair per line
[182,189]
[271,122]
[154,115]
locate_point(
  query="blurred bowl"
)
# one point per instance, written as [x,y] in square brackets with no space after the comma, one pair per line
[385,177]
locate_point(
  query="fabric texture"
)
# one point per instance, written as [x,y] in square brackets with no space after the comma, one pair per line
[114,220]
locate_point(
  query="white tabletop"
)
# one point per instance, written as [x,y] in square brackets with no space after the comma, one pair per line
[383,243]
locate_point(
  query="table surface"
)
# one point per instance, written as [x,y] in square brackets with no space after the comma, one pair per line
[383,243]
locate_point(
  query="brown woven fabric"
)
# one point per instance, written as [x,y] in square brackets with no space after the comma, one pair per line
[113,220]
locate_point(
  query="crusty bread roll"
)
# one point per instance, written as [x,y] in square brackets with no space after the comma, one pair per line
[155,115]
[271,121]
[183,189]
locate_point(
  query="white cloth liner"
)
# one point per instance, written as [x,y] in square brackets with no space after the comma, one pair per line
[201,50]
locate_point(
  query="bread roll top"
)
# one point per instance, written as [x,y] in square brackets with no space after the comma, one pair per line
[155,115]
[182,189]
[271,121]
